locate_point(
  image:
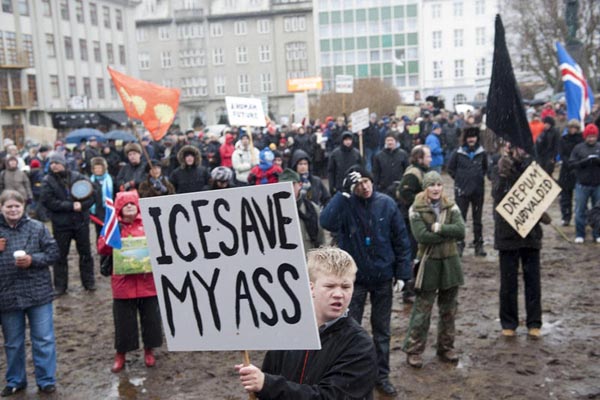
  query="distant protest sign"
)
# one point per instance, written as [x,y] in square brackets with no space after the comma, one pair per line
[527,200]
[245,111]
[360,120]
[230,270]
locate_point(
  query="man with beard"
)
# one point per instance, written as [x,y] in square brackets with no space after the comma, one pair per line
[389,164]
[468,167]
[134,172]
[342,158]
[70,221]
[190,176]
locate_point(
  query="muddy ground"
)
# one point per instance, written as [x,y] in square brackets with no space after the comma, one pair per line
[565,364]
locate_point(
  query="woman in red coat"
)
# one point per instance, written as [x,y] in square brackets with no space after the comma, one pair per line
[227,150]
[134,294]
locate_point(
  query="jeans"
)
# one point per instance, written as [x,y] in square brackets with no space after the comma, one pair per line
[41,332]
[381,312]
[509,287]
[582,195]
[369,154]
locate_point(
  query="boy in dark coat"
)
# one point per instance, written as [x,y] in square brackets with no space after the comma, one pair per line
[345,367]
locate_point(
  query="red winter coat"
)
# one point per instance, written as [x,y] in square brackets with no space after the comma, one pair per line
[136,285]
[227,150]
[257,175]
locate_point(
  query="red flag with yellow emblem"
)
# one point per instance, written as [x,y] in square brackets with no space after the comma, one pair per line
[154,105]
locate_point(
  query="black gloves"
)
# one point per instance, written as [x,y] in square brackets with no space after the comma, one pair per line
[350,182]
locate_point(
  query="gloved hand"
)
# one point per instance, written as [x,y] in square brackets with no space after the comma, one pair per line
[505,166]
[398,285]
[546,219]
[350,182]
[436,227]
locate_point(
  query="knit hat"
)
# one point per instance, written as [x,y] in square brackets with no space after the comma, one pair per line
[35,163]
[43,149]
[431,178]
[590,130]
[346,134]
[289,175]
[132,147]
[361,170]
[574,123]
[221,174]
[266,155]
[56,157]
[435,126]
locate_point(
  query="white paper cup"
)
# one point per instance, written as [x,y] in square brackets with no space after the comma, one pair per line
[19,254]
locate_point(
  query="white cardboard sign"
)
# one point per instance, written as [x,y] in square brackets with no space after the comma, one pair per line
[230,270]
[360,120]
[527,200]
[344,83]
[245,111]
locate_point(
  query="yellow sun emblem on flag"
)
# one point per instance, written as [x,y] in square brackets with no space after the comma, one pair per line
[164,113]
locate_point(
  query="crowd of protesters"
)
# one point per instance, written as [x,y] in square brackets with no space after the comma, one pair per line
[383,203]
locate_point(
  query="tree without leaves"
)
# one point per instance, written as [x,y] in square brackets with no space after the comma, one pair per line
[374,94]
[536,25]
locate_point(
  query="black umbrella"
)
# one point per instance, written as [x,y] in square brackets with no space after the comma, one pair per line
[505,112]
[120,135]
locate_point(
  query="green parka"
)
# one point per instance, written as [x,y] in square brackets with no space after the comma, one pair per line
[443,269]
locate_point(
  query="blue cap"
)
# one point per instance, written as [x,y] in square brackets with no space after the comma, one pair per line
[435,126]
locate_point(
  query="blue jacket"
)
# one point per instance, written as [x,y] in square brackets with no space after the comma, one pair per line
[437,154]
[374,234]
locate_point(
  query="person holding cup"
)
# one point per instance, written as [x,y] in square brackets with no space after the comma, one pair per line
[26,250]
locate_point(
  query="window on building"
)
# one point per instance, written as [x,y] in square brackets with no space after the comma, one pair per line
[296,60]
[438,72]
[50,48]
[218,56]
[264,53]
[87,87]
[479,7]
[28,47]
[79,11]
[220,83]
[97,51]
[100,87]
[141,35]
[68,48]
[64,10]
[436,38]
[83,50]
[480,36]
[294,24]
[240,28]
[32,87]
[122,59]
[263,26]
[144,60]
[54,86]
[243,84]
[458,38]
[480,68]
[23,7]
[167,83]
[110,55]
[106,16]
[241,55]
[266,83]
[459,69]
[190,31]
[72,82]
[10,45]
[459,99]
[2,57]
[7,7]
[113,91]
[46,8]
[94,14]
[164,32]
[436,10]
[458,8]
[216,29]
[165,59]
[119,19]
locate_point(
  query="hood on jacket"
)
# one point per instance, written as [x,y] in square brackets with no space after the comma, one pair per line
[11,158]
[298,156]
[124,198]
[421,204]
[229,138]
[184,151]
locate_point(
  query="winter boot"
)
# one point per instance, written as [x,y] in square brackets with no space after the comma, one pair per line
[479,252]
[149,358]
[460,245]
[119,363]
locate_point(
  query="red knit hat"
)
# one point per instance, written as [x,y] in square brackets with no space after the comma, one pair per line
[590,130]
[35,163]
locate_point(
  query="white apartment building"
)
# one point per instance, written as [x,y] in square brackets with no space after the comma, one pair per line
[53,62]
[213,49]
[457,49]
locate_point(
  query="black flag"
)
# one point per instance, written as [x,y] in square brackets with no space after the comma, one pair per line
[505,113]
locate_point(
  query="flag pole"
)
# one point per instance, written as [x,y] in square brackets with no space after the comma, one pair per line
[137,135]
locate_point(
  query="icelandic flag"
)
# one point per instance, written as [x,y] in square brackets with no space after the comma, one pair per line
[110,230]
[578,93]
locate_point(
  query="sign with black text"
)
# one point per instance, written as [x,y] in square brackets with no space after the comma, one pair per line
[360,120]
[230,270]
[526,201]
[245,111]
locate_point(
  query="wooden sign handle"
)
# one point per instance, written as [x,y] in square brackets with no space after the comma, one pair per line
[251,396]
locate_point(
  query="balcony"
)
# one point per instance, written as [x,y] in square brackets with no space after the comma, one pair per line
[20,101]
[21,61]
[189,14]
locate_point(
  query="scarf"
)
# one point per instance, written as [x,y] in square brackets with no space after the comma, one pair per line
[107,188]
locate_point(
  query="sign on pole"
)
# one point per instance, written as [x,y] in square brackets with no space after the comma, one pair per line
[527,200]
[344,83]
[230,270]
[360,120]
[300,107]
[245,111]
[304,84]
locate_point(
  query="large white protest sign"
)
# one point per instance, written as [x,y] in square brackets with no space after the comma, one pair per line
[245,111]
[527,200]
[360,120]
[230,270]
[344,83]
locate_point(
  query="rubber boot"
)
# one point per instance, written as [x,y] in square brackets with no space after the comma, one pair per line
[149,358]
[119,363]
[479,252]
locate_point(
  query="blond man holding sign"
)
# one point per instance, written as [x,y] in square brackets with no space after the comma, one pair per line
[345,367]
